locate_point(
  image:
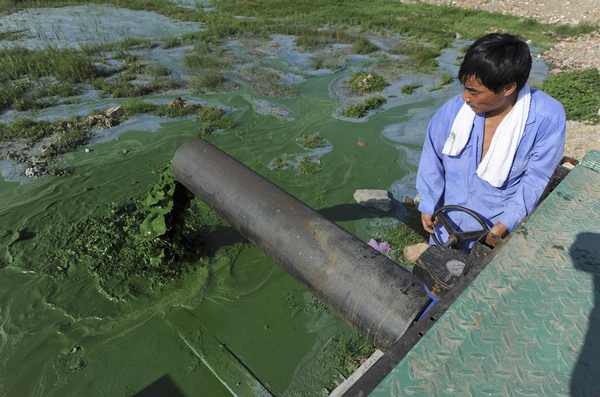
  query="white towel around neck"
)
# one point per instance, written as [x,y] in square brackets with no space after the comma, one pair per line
[496,164]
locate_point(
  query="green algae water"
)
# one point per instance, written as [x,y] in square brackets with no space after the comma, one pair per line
[74,324]
[114,282]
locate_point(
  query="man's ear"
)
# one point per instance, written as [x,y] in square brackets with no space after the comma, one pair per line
[510,89]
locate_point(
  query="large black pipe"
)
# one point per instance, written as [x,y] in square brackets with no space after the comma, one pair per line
[373,294]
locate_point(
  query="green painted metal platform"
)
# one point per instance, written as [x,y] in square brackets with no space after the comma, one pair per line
[529,324]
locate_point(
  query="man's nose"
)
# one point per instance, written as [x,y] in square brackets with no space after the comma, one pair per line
[466,97]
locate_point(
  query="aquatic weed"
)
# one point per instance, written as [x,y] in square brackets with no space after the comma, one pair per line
[344,353]
[312,141]
[357,111]
[171,42]
[207,81]
[279,163]
[213,119]
[308,167]
[366,82]
[317,62]
[364,46]
[408,89]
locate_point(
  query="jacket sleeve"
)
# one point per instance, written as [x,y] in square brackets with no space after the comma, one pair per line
[430,176]
[544,157]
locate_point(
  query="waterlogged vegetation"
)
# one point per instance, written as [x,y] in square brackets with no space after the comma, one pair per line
[307,166]
[138,246]
[579,92]
[113,247]
[403,234]
[356,111]
[408,89]
[366,82]
[313,141]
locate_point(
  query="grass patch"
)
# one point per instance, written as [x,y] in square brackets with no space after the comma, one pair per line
[68,140]
[358,111]
[408,89]
[171,42]
[121,87]
[344,353]
[135,107]
[158,70]
[210,80]
[446,79]
[267,81]
[312,141]
[12,35]
[63,66]
[401,235]
[579,93]
[308,167]
[279,163]
[210,118]
[364,46]
[32,131]
[205,58]
[422,56]
[213,119]
[307,41]
[365,82]
[435,24]
[316,62]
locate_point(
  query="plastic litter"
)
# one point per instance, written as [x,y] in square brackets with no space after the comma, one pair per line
[383,246]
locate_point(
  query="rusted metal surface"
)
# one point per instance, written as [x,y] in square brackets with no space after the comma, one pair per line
[373,294]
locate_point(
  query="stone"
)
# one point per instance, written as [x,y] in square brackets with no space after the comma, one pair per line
[555,71]
[413,252]
[370,198]
[417,200]
[177,103]
[33,172]
[87,149]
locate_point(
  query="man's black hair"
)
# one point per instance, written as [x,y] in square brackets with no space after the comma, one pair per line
[497,60]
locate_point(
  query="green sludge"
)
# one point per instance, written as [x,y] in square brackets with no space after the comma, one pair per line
[93,265]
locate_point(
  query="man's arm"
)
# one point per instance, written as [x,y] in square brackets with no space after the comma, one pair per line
[430,176]
[544,158]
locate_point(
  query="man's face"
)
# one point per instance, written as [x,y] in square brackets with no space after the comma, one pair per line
[484,100]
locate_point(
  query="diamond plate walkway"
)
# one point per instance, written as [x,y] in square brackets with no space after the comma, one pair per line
[529,324]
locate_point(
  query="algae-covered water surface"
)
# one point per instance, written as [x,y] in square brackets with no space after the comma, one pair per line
[114,280]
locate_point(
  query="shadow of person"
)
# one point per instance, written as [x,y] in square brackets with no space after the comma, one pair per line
[585,380]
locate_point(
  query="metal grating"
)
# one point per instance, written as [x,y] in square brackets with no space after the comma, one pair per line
[529,324]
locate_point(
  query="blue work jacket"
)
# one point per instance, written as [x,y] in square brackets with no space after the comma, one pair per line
[453,180]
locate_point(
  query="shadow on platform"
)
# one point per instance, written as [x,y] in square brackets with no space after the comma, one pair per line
[585,380]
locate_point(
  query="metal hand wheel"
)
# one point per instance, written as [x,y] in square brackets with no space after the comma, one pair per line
[454,236]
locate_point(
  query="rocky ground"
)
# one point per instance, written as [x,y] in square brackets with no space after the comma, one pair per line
[575,53]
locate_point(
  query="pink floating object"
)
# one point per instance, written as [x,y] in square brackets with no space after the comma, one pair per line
[383,246]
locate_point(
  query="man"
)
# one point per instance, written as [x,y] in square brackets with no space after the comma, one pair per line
[494,149]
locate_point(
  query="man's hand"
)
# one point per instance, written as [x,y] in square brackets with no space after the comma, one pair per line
[495,235]
[428,222]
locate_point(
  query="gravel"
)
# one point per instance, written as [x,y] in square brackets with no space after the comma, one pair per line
[574,53]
